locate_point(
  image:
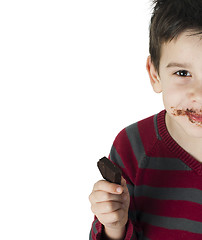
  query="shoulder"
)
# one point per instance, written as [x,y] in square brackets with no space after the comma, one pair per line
[139,137]
[134,143]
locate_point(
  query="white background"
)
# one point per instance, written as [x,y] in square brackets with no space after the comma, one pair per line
[72,75]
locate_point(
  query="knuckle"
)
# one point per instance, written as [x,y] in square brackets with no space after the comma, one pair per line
[106,196]
[93,209]
[98,196]
[90,197]
[94,186]
[98,185]
[109,206]
[115,216]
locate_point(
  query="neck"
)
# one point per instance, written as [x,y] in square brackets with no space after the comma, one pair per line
[190,144]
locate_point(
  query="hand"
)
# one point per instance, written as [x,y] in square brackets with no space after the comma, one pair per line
[110,203]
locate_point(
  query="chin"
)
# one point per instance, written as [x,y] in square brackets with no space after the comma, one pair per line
[195,132]
[193,129]
[186,123]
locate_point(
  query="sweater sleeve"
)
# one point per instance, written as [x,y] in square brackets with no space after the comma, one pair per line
[122,155]
[96,232]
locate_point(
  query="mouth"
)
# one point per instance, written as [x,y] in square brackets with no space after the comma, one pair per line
[194,116]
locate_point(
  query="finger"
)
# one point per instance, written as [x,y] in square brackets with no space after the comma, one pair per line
[101,196]
[124,185]
[123,181]
[106,186]
[105,207]
[125,194]
[113,217]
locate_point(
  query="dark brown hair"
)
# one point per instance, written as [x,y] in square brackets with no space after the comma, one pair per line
[169,19]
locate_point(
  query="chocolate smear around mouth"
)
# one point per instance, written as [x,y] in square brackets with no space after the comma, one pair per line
[190,113]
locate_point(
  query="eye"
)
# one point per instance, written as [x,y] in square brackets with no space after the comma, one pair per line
[183,73]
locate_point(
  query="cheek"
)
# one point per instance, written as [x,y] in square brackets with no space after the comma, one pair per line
[172,97]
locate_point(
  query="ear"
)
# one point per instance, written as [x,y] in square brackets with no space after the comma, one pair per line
[154,76]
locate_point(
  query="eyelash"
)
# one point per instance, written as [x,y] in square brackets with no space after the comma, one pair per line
[181,73]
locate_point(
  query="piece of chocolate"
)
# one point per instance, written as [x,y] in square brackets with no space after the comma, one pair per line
[109,171]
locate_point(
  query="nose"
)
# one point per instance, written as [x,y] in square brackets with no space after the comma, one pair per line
[195,93]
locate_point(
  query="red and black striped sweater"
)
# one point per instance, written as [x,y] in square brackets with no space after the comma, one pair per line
[164,181]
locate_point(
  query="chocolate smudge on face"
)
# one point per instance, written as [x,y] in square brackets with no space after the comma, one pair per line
[188,112]
[177,112]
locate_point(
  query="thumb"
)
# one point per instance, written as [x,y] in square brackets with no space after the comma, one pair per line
[123,181]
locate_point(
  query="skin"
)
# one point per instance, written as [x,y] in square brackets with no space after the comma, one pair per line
[180,81]
[110,203]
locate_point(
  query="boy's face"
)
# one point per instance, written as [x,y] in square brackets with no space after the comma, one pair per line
[180,81]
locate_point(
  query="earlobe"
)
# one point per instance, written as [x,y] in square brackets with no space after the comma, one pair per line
[153,75]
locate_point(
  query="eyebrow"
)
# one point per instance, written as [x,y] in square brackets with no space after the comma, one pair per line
[181,65]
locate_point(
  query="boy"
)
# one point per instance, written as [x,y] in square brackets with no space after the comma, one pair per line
[160,196]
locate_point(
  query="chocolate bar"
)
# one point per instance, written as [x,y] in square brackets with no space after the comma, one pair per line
[109,171]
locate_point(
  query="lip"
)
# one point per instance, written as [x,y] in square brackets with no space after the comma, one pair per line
[194,117]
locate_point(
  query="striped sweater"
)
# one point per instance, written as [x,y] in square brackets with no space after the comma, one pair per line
[164,182]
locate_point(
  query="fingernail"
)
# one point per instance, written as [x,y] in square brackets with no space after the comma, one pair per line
[119,190]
